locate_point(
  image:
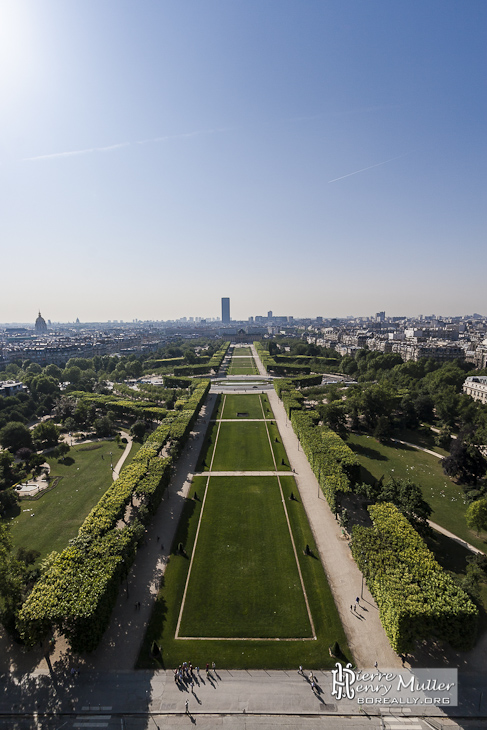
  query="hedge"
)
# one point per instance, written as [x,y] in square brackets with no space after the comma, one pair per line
[121,407]
[77,591]
[417,599]
[334,464]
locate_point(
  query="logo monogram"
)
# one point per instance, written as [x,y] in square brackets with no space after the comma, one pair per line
[342,681]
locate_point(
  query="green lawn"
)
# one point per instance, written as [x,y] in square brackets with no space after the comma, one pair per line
[445,497]
[242,654]
[136,445]
[48,523]
[250,404]
[247,351]
[242,447]
[242,367]
[248,575]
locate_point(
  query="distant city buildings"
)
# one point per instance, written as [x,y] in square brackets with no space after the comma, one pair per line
[413,338]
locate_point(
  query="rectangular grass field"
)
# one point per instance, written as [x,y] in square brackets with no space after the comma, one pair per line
[242,447]
[244,580]
[249,404]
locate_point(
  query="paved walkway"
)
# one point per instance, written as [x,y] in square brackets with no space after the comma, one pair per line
[419,448]
[121,461]
[457,539]
[366,637]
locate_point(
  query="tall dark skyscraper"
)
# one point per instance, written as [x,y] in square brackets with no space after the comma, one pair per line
[226,310]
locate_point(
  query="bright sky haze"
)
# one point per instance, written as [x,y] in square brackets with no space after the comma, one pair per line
[310,157]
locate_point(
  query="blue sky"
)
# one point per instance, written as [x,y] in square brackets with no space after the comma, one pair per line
[311,157]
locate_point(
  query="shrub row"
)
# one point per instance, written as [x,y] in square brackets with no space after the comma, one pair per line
[192,369]
[417,599]
[78,588]
[334,464]
[305,381]
[292,399]
[121,407]
[171,381]
[77,592]
[217,358]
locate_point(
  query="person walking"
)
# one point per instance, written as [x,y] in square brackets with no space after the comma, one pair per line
[186,706]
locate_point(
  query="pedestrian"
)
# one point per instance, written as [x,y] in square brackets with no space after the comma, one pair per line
[351,607]
[310,676]
[376,665]
[300,669]
[355,608]
[213,666]
[313,686]
[186,704]
[357,600]
[198,672]
[207,667]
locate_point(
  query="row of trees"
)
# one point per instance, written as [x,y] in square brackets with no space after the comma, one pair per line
[78,587]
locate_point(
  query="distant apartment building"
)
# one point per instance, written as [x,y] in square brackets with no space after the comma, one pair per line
[476,387]
[415,351]
[11,387]
[480,357]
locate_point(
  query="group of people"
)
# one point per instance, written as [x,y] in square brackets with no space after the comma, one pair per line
[186,673]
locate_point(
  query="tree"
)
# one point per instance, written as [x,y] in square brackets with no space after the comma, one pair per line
[465,461]
[383,430]
[72,374]
[476,515]
[46,434]
[102,426]
[62,450]
[334,416]
[14,436]
[443,438]
[138,430]
[11,578]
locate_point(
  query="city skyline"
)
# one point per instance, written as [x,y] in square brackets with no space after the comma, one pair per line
[325,159]
[197,319]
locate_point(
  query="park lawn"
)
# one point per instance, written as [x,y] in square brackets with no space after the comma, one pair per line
[243,370]
[242,446]
[282,461]
[243,654]
[246,351]
[249,404]
[446,498]
[247,575]
[48,523]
